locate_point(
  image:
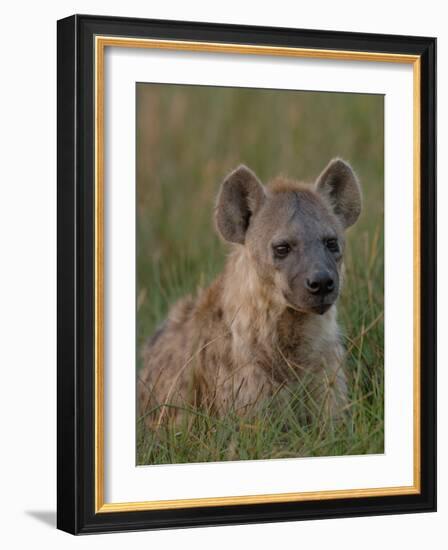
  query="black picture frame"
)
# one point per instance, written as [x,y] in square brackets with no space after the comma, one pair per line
[76,301]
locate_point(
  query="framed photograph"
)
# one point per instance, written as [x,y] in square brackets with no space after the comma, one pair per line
[246,274]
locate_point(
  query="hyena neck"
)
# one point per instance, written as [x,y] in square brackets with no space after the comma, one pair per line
[261,323]
[252,312]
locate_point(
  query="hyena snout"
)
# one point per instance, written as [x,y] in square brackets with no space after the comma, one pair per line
[315,290]
[320,283]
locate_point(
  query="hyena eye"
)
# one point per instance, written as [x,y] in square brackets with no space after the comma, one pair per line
[282,250]
[332,245]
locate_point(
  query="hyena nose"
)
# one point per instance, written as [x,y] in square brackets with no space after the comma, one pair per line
[321,283]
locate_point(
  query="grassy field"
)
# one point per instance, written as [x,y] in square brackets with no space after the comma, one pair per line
[188,139]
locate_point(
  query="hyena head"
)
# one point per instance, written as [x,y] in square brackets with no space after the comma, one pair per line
[292,233]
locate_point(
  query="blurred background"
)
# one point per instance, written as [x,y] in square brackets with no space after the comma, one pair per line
[190,137]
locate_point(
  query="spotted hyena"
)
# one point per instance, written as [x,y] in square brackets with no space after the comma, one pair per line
[270,317]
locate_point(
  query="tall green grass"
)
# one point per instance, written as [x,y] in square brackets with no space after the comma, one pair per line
[188,139]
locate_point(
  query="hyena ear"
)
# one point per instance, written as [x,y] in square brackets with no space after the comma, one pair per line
[240,197]
[339,184]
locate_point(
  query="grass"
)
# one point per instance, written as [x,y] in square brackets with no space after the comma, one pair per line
[188,138]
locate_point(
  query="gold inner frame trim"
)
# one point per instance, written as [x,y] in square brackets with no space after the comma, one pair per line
[101,42]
